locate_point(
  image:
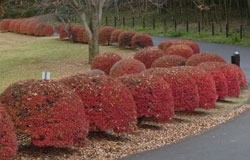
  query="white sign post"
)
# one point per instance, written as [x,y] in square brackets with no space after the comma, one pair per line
[46,75]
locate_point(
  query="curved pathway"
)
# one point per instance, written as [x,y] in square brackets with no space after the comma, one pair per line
[230,141]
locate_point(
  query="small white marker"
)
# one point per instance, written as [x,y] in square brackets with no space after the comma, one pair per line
[46,75]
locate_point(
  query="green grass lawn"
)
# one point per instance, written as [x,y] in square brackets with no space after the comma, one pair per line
[25,57]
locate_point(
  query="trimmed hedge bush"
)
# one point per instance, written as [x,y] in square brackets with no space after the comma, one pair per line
[141,40]
[152,95]
[148,56]
[184,88]
[105,35]
[204,57]
[219,78]
[125,39]
[231,74]
[8,141]
[166,44]
[126,66]
[47,112]
[105,61]
[27,26]
[4,24]
[169,61]
[205,83]
[108,103]
[180,50]
[115,35]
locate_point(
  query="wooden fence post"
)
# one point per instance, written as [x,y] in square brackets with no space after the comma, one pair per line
[187,26]
[241,31]
[212,28]
[106,21]
[227,30]
[115,21]
[199,27]
[123,21]
[175,25]
[143,23]
[153,22]
[133,22]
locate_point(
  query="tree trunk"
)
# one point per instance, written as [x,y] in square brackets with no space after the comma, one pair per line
[93,46]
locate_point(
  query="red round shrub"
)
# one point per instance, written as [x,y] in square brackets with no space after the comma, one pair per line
[108,103]
[4,24]
[8,141]
[125,38]
[126,66]
[115,35]
[47,112]
[105,61]
[141,41]
[58,28]
[219,78]
[204,57]
[43,29]
[105,35]
[231,74]
[152,95]
[23,26]
[205,83]
[180,50]
[166,44]
[12,25]
[148,56]
[184,88]
[64,32]
[169,61]
[79,34]
[31,28]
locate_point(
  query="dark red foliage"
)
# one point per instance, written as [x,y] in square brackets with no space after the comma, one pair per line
[43,29]
[184,88]
[64,32]
[152,95]
[231,74]
[79,34]
[205,83]
[166,44]
[180,50]
[105,35]
[47,112]
[141,41]
[126,66]
[108,103]
[169,61]
[125,39]
[219,78]
[4,24]
[58,28]
[204,57]
[115,35]
[8,141]
[105,61]
[148,56]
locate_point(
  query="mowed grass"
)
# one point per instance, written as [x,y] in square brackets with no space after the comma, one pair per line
[26,57]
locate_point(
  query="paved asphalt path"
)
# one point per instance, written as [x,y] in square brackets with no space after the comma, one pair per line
[230,141]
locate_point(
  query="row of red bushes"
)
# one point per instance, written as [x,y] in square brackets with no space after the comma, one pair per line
[61,112]
[107,36]
[27,26]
